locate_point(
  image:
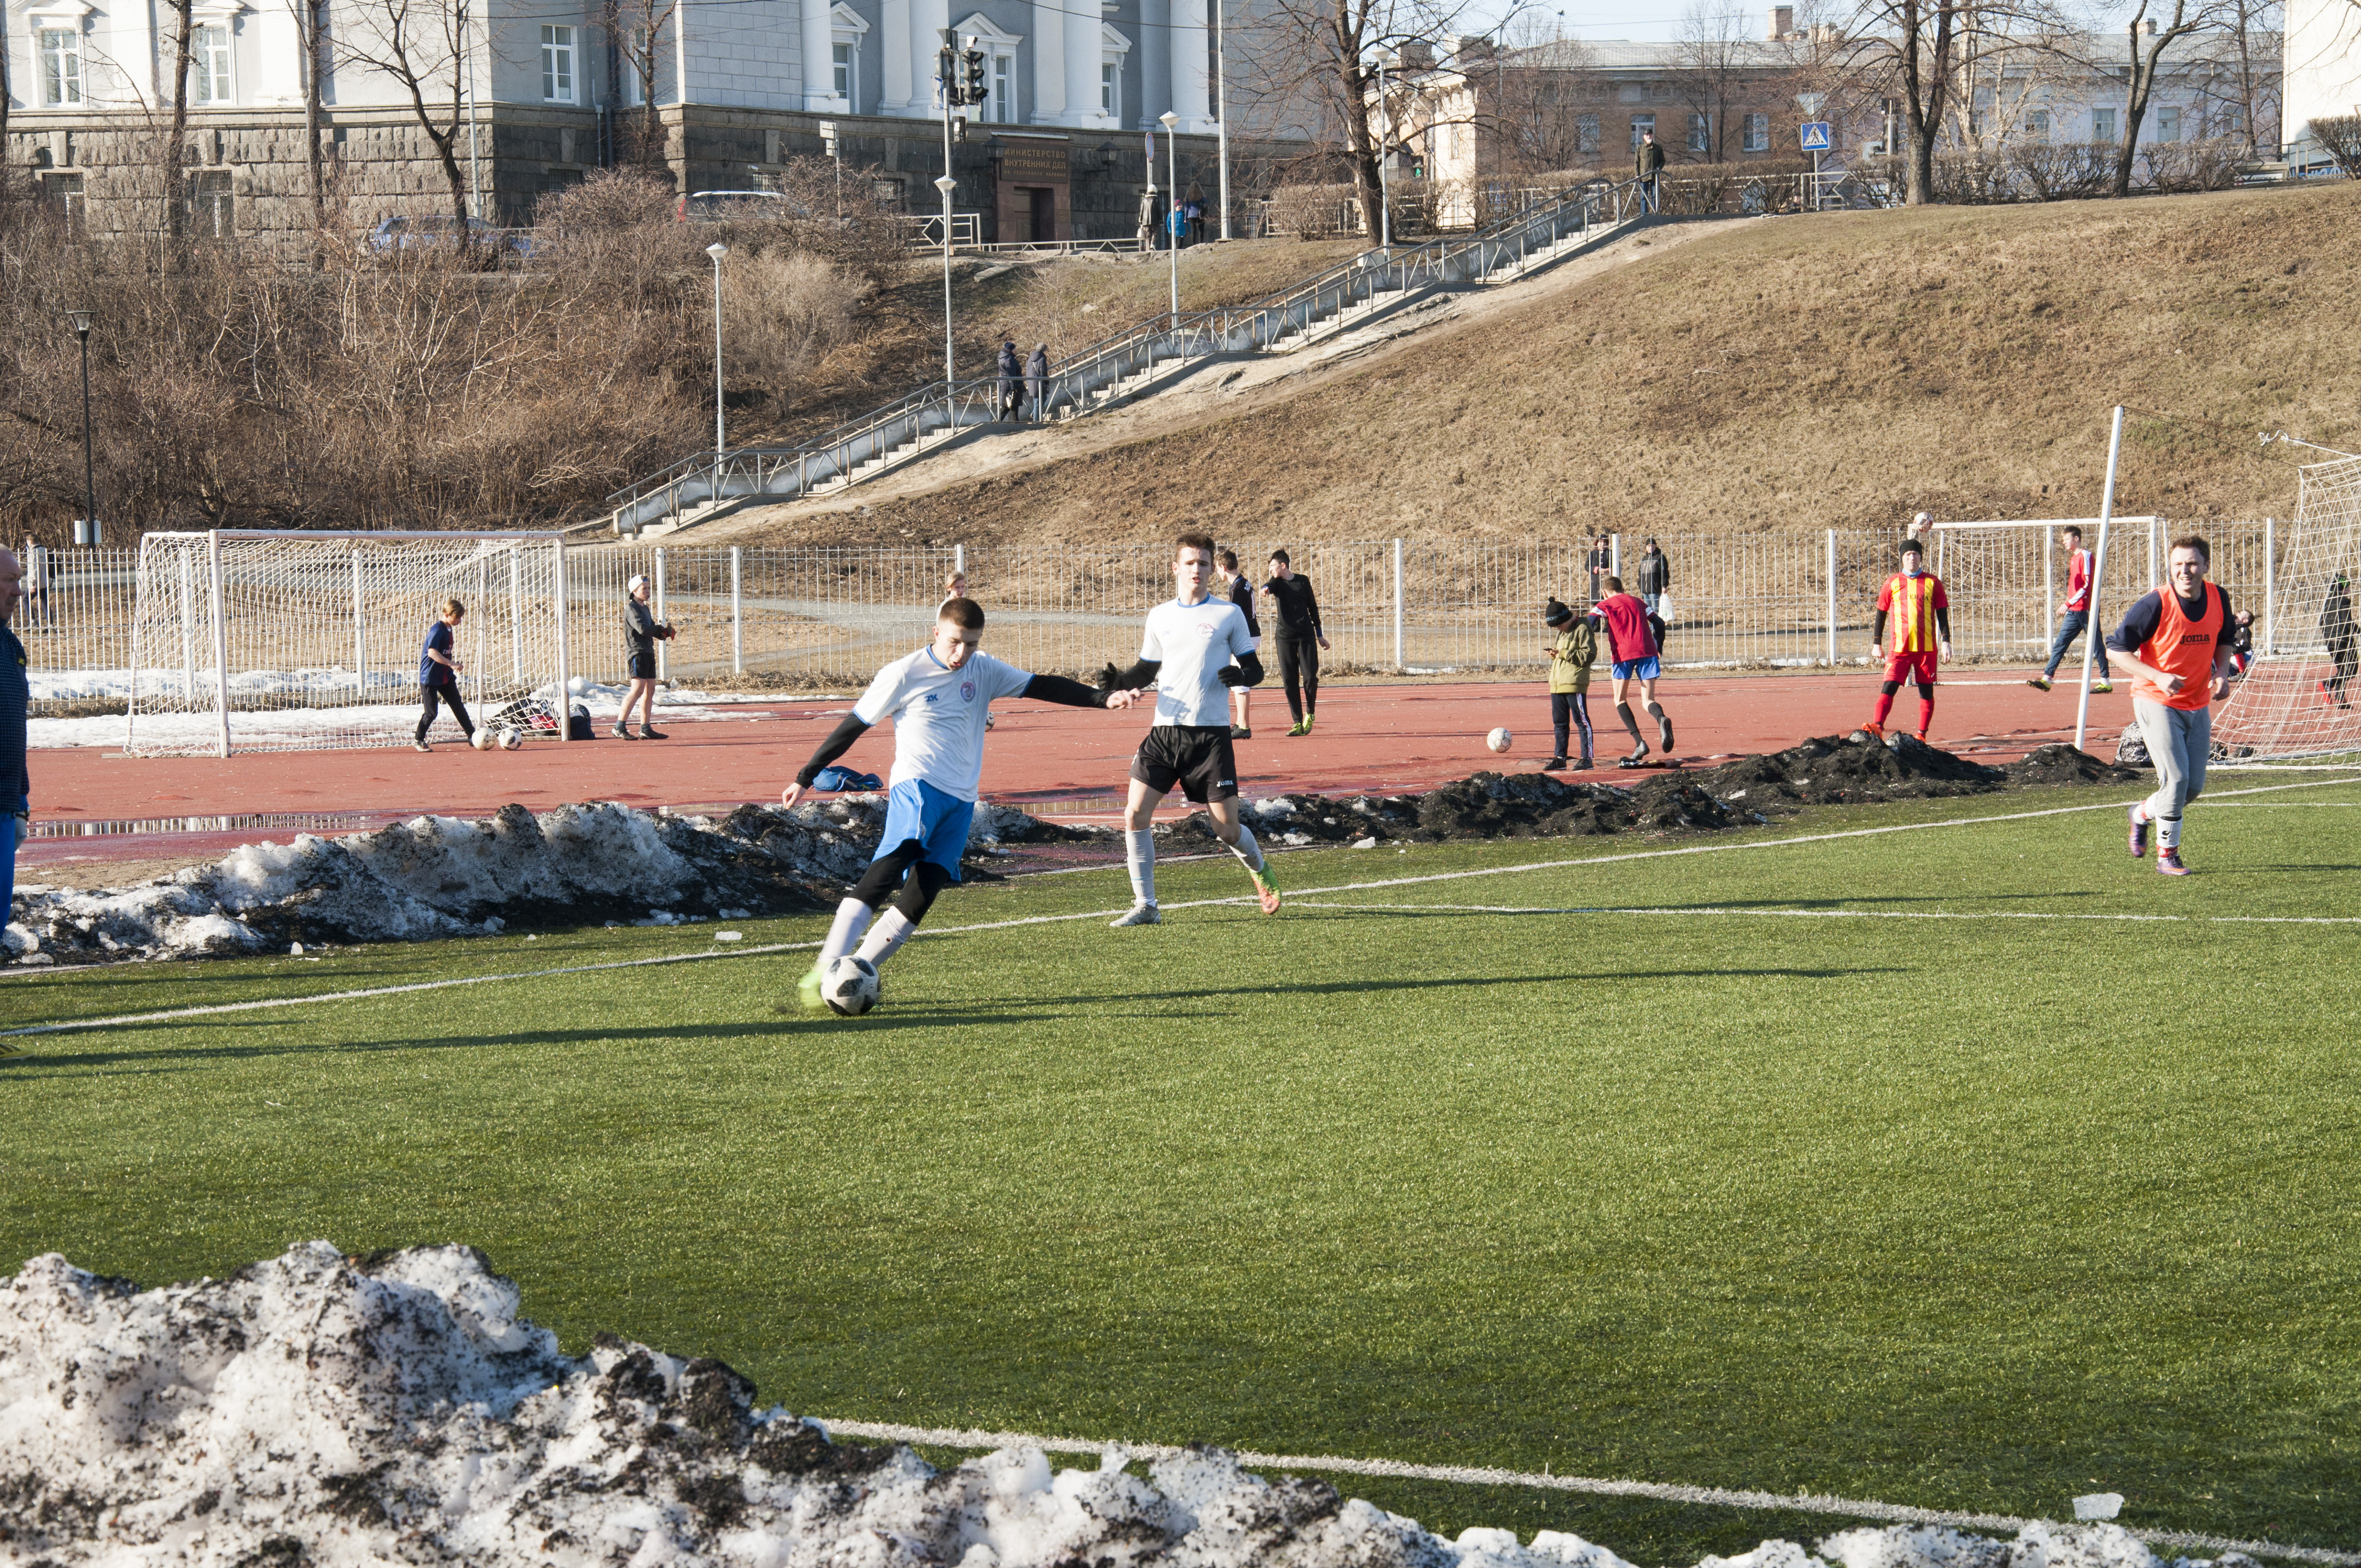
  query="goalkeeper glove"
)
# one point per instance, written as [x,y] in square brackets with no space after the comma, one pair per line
[1233,677]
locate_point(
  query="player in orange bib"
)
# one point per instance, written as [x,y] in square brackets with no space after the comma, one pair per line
[2175,644]
[1922,632]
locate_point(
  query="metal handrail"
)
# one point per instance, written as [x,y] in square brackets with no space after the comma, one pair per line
[1092,378]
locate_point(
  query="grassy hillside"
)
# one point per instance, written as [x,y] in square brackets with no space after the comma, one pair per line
[1800,372]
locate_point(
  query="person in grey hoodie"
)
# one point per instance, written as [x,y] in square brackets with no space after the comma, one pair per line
[1037,381]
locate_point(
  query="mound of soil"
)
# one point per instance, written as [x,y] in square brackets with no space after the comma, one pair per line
[1828,771]
[2061,765]
[1486,806]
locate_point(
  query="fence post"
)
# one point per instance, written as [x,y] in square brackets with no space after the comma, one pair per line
[221,635]
[1832,598]
[564,703]
[360,633]
[2151,552]
[516,614]
[2270,586]
[2049,578]
[959,559]
[188,630]
[1398,607]
[737,611]
[1615,554]
[664,659]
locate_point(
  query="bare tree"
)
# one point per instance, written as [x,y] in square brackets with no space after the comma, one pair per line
[1325,55]
[310,36]
[2240,67]
[423,46]
[1537,106]
[176,142]
[1913,50]
[640,26]
[1712,70]
[2147,53]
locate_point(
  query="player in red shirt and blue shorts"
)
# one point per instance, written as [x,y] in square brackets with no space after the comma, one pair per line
[1914,598]
[1635,637]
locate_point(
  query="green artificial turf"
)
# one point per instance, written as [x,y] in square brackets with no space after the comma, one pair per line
[1960,1213]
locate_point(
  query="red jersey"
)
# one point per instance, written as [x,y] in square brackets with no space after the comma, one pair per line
[2078,581]
[1629,636]
[1910,603]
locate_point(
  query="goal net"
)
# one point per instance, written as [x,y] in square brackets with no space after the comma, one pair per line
[2005,581]
[259,641]
[2300,698]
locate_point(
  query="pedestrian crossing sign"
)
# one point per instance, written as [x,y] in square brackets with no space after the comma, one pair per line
[1816,136]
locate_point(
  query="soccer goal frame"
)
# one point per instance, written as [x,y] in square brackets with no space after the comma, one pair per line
[252,640]
[2016,585]
[2300,698]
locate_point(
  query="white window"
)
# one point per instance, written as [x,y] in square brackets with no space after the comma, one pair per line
[1111,89]
[1000,100]
[1700,134]
[2103,125]
[635,60]
[557,64]
[1585,133]
[209,65]
[847,66]
[1757,132]
[2168,125]
[2037,125]
[1641,125]
[61,65]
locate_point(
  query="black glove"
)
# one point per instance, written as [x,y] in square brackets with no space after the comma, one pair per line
[1107,677]
[1233,677]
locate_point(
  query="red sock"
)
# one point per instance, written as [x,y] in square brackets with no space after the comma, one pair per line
[1884,707]
[1925,714]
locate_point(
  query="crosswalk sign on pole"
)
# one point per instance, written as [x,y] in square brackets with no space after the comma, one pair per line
[1816,136]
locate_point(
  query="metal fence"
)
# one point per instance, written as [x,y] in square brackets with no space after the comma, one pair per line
[827,618]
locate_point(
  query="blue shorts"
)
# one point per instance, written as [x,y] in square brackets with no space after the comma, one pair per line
[1647,669]
[919,810]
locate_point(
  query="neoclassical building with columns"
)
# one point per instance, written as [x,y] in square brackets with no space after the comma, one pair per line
[552,89]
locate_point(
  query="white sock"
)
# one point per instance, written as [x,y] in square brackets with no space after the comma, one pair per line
[852,918]
[886,938]
[1139,859]
[2169,832]
[2140,813]
[1247,849]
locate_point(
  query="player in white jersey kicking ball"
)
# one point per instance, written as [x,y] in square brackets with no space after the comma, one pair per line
[939,698]
[1186,655]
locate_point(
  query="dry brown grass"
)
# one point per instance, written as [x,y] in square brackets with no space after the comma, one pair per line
[1836,371]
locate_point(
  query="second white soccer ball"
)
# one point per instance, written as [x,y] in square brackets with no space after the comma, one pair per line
[482,739]
[1499,739]
[850,986]
[511,740]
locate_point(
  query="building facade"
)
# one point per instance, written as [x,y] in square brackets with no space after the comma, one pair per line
[712,90]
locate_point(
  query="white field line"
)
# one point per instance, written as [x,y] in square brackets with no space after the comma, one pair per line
[1827,914]
[1801,1502]
[770,948]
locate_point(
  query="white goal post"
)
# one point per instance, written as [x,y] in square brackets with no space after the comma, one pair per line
[255,640]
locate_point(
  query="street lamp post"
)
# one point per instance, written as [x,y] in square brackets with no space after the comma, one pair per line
[717,250]
[1222,126]
[946,184]
[81,320]
[1385,201]
[827,135]
[1172,205]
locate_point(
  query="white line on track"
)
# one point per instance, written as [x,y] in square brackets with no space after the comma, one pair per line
[365,994]
[1831,914]
[1805,1503]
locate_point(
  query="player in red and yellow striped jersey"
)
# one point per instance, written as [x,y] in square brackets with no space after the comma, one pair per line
[1914,598]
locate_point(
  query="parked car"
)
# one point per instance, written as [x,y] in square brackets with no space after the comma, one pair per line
[729,206]
[436,230]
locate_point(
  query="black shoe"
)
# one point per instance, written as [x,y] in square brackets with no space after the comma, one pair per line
[1554,765]
[648,734]
[1240,732]
[1664,728]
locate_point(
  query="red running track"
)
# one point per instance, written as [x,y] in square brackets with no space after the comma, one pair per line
[1378,739]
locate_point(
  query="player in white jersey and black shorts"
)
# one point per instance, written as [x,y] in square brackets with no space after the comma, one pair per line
[1194,650]
[939,699]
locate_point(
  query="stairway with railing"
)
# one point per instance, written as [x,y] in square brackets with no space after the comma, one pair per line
[1138,360]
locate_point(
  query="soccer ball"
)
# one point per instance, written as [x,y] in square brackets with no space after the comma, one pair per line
[482,739]
[1499,739]
[850,986]
[511,740]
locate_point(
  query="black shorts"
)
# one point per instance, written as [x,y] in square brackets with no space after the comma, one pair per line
[1198,760]
[643,666]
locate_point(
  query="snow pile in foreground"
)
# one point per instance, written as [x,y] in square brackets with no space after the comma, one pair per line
[331,1411]
[440,876]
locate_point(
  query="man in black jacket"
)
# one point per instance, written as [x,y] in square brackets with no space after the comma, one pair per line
[1600,564]
[2336,631]
[16,701]
[1648,167]
[1012,378]
[1295,622]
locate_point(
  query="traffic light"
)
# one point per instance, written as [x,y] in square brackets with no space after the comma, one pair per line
[947,76]
[975,62]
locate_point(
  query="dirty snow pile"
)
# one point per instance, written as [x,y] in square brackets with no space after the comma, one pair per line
[324,1409]
[440,876]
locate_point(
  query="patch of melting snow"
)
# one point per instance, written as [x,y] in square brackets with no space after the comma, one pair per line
[335,1410]
[442,876]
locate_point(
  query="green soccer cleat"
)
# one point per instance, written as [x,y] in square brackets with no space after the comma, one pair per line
[807,989]
[2040,683]
[1266,890]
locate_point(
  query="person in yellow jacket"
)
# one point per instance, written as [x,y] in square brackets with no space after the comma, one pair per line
[1573,650]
